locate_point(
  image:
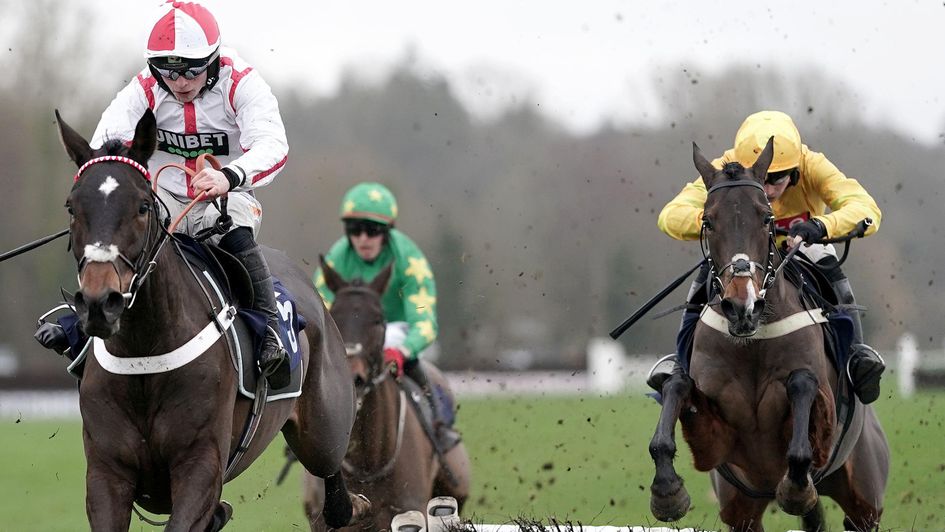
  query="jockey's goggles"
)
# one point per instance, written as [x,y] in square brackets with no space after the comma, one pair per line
[371,229]
[172,67]
[777,178]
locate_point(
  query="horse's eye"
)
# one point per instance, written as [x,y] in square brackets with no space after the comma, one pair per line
[144,208]
[707,223]
[69,209]
[769,218]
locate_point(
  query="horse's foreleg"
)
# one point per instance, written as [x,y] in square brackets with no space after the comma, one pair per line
[669,500]
[796,494]
[343,508]
[109,496]
[196,487]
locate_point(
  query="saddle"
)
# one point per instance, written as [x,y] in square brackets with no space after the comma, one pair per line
[446,437]
[249,329]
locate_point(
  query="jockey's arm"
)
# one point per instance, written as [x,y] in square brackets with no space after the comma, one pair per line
[849,202]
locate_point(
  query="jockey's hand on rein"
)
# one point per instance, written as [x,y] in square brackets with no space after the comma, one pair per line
[394,357]
[213,181]
[810,231]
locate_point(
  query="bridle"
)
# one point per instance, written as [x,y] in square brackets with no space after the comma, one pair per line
[146,261]
[358,350]
[380,374]
[743,266]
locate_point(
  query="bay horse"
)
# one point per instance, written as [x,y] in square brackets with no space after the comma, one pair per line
[162,439]
[390,458]
[757,406]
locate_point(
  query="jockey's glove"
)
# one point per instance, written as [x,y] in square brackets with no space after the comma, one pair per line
[811,231]
[394,358]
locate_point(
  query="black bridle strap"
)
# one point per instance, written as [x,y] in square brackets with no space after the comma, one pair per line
[736,183]
[770,271]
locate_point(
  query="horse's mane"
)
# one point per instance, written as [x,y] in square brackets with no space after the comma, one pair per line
[114,147]
[733,170]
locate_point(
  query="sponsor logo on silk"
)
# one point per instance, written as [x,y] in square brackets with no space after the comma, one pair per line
[192,145]
[787,223]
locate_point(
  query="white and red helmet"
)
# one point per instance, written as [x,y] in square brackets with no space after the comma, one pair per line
[183,29]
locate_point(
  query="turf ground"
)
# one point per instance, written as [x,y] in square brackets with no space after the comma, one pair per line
[581,459]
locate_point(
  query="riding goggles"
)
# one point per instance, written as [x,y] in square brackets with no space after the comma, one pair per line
[777,178]
[172,67]
[371,229]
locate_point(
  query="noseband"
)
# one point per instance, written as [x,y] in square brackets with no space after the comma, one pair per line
[147,259]
[741,265]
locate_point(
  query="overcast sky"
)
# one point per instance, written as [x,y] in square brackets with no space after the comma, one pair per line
[587,61]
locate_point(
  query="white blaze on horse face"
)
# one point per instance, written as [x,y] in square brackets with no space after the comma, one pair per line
[99,253]
[750,297]
[108,186]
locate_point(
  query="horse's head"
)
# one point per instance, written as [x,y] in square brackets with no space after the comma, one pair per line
[359,315]
[737,226]
[112,222]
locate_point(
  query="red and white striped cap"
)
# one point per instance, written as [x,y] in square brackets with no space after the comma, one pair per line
[183,29]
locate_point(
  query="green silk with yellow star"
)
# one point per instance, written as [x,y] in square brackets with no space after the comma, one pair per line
[410,295]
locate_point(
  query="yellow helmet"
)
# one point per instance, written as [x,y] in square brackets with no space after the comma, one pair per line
[754,133]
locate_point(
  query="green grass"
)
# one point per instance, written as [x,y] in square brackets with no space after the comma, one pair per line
[581,459]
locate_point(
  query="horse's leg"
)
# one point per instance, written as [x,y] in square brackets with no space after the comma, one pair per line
[737,510]
[196,487]
[814,520]
[796,494]
[669,500]
[458,461]
[313,500]
[858,486]
[341,507]
[109,495]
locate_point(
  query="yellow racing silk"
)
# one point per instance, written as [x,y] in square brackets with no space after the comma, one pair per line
[820,186]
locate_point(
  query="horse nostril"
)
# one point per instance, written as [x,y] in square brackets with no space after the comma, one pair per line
[113,304]
[729,309]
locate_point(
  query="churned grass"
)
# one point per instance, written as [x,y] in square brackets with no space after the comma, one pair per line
[578,459]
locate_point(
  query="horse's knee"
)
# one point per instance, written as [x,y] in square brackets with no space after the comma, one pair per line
[801,383]
[678,385]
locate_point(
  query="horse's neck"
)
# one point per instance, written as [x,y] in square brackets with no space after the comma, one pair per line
[375,429]
[170,307]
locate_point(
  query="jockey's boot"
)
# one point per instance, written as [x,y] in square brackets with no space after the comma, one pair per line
[865,366]
[695,300]
[273,359]
[414,369]
[51,336]
[656,378]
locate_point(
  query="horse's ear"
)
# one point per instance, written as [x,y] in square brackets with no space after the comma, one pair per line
[379,284]
[145,141]
[705,168]
[77,148]
[333,281]
[760,168]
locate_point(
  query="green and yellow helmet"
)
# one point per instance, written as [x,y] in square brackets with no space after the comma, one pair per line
[754,133]
[369,201]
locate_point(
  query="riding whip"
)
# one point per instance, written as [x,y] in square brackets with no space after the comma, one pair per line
[33,245]
[620,329]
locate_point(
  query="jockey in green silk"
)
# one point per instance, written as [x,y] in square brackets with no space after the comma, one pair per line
[371,242]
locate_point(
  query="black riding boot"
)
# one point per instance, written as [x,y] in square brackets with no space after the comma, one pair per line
[865,366]
[51,336]
[273,359]
[414,370]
